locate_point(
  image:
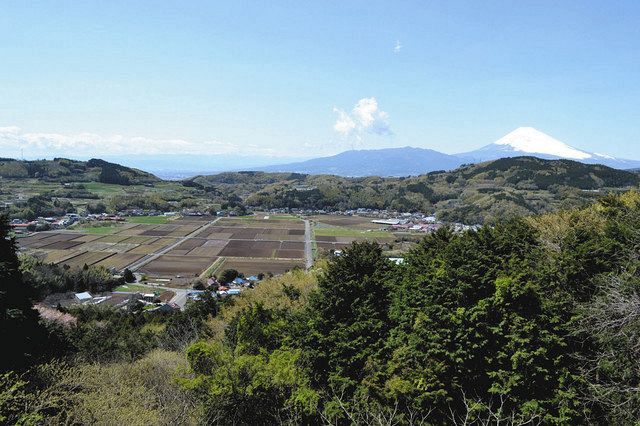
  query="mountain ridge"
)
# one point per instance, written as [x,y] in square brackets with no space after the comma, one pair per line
[67,170]
[475,193]
[412,161]
[404,161]
[530,141]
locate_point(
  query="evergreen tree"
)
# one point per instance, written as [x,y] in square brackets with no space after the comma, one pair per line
[128,276]
[349,314]
[20,330]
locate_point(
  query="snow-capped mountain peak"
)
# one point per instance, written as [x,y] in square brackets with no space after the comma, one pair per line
[532,141]
[527,141]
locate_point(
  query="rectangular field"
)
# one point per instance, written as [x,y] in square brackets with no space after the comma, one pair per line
[254,267]
[353,222]
[148,219]
[87,258]
[261,223]
[119,261]
[172,266]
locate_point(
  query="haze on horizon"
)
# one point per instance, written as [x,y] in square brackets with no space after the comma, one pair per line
[292,80]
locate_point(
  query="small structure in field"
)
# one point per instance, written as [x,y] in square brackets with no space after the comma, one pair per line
[83,297]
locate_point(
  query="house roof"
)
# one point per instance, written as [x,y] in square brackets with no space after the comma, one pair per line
[83,296]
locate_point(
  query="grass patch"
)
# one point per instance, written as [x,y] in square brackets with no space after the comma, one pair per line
[100,230]
[213,269]
[135,288]
[158,220]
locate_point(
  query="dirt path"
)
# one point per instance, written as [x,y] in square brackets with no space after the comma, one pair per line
[308,249]
[153,256]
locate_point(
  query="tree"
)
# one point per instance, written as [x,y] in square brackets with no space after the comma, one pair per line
[198,285]
[96,208]
[24,337]
[255,329]
[480,314]
[228,275]
[269,388]
[349,316]
[185,327]
[128,276]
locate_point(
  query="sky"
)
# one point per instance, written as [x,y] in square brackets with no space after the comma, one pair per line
[303,79]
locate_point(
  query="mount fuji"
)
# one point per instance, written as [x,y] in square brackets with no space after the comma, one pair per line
[408,161]
[527,141]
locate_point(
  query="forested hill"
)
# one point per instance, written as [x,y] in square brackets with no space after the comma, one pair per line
[65,170]
[472,193]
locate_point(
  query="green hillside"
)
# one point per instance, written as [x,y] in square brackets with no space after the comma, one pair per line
[474,194]
[65,170]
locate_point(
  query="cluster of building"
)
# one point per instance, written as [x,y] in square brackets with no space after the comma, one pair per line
[235,287]
[426,225]
[391,219]
[21,226]
[150,302]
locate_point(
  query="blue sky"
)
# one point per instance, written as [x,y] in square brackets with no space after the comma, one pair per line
[312,78]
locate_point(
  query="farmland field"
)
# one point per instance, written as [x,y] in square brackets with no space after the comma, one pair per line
[336,232]
[119,261]
[255,266]
[173,266]
[178,249]
[107,229]
[148,219]
[354,233]
[352,222]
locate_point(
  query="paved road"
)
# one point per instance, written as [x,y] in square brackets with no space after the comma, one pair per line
[153,256]
[308,250]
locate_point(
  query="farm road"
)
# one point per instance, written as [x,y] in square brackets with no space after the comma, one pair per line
[308,252]
[153,256]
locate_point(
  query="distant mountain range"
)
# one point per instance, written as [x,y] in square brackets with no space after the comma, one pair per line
[405,161]
[410,161]
[181,166]
[387,162]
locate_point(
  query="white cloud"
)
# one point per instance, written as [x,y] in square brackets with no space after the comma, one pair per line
[14,141]
[344,124]
[398,47]
[10,130]
[365,117]
[365,111]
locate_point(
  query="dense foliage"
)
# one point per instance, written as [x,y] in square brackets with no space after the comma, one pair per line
[23,336]
[48,278]
[530,321]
